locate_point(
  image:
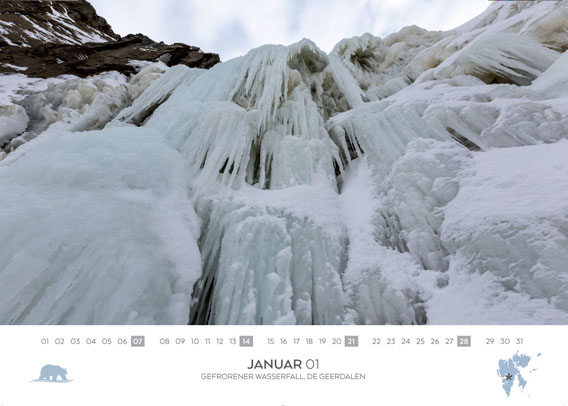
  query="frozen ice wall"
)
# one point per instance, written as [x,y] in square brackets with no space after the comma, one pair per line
[97,228]
[418,178]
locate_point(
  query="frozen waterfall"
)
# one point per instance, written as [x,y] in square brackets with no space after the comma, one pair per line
[418,178]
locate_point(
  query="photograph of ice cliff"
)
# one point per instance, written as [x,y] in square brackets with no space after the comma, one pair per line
[417,178]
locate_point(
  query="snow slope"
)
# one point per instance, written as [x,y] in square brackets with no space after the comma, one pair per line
[418,178]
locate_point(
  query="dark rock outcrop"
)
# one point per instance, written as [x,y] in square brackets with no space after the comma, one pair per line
[51,38]
[51,60]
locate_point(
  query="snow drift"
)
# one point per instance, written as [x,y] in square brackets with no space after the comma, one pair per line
[419,178]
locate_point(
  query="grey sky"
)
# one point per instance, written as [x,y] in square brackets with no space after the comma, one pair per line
[232,27]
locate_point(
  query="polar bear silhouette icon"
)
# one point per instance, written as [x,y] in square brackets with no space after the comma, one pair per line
[52,372]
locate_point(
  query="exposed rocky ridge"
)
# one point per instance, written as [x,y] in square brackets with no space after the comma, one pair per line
[51,38]
[51,60]
[33,23]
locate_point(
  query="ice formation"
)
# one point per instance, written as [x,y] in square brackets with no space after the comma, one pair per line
[418,178]
[121,240]
[70,104]
[13,121]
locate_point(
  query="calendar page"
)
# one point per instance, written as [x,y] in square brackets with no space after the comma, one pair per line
[283,202]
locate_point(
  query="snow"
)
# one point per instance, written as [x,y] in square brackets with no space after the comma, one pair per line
[62,29]
[69,103]
[13,121]
[419,178]
[515,228]
[77,35]
[378,280]
[13,86]
[137,64]
[4,31]
[16,68]
[73,104]
[14,118]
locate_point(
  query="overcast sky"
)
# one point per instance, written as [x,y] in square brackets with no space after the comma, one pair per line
[232,27]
